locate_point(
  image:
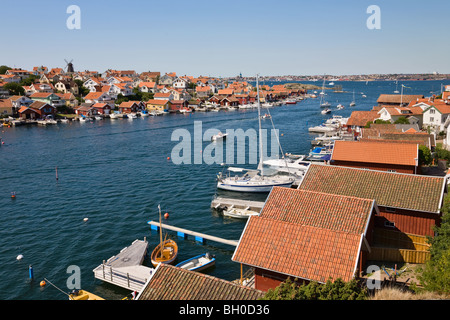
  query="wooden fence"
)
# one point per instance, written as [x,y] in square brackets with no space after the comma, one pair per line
[397,246]
[398,255]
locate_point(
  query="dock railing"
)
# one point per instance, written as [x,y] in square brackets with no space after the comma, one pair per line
[120,278]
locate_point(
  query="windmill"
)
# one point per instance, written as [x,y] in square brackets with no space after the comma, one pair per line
[69,66]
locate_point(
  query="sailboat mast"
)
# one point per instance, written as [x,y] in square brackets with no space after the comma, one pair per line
[160,232]
[260,165]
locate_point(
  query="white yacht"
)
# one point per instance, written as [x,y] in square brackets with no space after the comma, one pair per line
[254,180]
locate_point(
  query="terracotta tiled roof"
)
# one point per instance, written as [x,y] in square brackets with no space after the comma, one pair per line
[173,283]
[408,191]
[317,209]
[93,95]
[385,153]
[157,102]
[360,118]
[300,251]
[398,98]
[304,234]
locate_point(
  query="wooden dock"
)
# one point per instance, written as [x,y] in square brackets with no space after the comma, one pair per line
[199,237]
[125,269]
[237,203]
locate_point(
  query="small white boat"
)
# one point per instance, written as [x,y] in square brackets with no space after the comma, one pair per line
[114,116]
[239,213]
[98,118]
[198,263]
[266,116]
[325,111]
[144,114]
[340,106]
[65,120]
[231,108]
[219,136]
[331,84]
[132,116]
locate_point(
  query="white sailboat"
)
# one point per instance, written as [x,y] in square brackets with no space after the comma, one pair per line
[323,103]
[253,180]
[353,102]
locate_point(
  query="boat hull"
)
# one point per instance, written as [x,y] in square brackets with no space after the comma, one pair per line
[251,188]
[170,252]
[197,263]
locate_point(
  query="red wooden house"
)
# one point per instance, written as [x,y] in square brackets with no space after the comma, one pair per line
[384,156]
[129,107]
[310,236]
[407,203]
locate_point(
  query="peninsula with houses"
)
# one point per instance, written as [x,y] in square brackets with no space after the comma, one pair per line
[376,193]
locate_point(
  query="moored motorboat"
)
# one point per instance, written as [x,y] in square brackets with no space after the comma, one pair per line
[83,295]
[325,111]
[198,263]
[239,213]
[219,136]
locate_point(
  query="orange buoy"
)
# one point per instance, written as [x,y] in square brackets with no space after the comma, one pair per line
[42,283]
[168,158]
[166,215]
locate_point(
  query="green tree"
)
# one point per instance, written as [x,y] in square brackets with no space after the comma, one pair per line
[337,290]
[436,273]
[402,120]
[424,155]
[28,81]
[3,69]
[14,89]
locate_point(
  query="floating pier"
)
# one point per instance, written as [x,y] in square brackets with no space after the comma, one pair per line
[125,269]
[237,203]
[199,237]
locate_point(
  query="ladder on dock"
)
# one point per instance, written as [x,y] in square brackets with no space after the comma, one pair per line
[125,269]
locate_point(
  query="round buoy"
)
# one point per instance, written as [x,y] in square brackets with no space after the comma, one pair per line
[42,283]
[282,134]
[168,158]
[19,257]
[166,215]
[85,219]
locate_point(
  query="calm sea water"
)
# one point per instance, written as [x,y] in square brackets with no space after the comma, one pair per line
[116,172]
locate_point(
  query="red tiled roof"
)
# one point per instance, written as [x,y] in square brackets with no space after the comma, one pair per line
[398,98]
[360,118]
[93,95]
[297,250]
[309,235]
[173,283]
[373,152]
[397,190]
[317,209]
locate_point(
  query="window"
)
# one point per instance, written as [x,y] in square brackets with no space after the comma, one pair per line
[432,111]
[389,224]
[390,170]
[389,209]
[431,119]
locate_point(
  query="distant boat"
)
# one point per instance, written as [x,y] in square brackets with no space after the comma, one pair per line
[396,87]
[325,111]
[198,263]
[166,251]
[323,103]
[340,106]
[331,84]
[266,116]
[239,213]
[290,101]
[352,104]
[219,136]
[98,118]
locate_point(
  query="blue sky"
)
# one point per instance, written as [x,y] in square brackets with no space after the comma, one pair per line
[224,38]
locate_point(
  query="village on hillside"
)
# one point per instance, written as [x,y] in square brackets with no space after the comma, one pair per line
[375,197]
